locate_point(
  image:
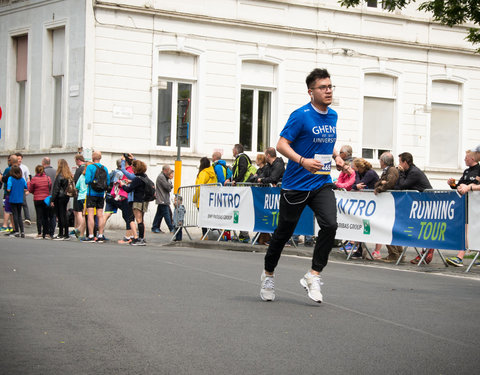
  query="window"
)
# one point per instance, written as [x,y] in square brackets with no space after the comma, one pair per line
[258,81]
[177,126]
[175,99]
[255,111]
[445,124]
[21,78]
[58,50]
[378,115]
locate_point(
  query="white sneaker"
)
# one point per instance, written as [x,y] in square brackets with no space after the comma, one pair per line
[267,291]
[312,284]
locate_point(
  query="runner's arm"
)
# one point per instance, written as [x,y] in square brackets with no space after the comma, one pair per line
[311,165]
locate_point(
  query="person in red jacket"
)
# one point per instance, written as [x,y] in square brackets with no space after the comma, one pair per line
[40,186]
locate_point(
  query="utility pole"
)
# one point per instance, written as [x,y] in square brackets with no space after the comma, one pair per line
[183,132]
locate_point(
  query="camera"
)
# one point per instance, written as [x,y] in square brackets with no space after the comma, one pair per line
[127,158]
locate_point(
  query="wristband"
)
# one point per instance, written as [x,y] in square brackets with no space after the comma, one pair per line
[471,187]
[301,159]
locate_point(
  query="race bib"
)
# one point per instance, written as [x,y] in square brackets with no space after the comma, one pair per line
[326,160]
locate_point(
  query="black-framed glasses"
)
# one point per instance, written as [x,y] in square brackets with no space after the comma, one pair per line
[324,88]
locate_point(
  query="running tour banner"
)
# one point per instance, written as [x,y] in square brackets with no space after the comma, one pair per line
[428,219]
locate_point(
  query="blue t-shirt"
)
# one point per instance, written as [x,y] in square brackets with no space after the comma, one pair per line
[313,135]
[17,189]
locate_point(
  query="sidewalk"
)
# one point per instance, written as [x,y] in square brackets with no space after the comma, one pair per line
[164,239]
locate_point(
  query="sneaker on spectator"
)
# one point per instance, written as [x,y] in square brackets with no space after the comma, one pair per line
[156,230]
[76,232]
[312,284]
[136,242]
[28,221]
[376,254]
[309,243]
[48,237]
[350,246]
[72,232]
[88,239]
[100,239]
[416,260]
[38,237]
[66,238]
[356,255]
[57,238]
[267,289]
[125,240]
[455,261]
[390,258]
[429,256]
[4,229]
[22,235]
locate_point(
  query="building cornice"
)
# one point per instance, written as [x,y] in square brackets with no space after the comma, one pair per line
[20,7]
[105,5]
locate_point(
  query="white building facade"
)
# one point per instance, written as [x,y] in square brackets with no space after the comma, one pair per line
[111,76]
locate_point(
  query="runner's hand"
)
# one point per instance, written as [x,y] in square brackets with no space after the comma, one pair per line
[312,165]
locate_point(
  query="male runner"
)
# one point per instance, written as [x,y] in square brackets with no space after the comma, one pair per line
[308,141]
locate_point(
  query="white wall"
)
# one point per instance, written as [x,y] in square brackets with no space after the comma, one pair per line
[297,36]
[35,18]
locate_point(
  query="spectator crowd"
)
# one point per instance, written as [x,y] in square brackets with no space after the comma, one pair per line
[95,193]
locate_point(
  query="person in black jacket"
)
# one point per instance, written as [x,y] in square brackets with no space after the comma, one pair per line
[262,169]
[276,170]
[470,174]
[410,176]
[60,199]
[139,206]
[468,182]
[77,206]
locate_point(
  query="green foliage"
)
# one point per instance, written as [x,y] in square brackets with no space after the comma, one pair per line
[447,12]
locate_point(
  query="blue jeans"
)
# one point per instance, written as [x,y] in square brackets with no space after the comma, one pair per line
[178,237]
[163,212]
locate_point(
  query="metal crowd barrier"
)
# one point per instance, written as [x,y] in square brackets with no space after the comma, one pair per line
[190,195]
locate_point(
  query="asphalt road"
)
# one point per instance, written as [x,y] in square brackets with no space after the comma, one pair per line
[77,308]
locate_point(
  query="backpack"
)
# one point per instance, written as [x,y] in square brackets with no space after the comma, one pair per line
[149,189]
[71,190]
[227,170]
[99,183]
[251,170]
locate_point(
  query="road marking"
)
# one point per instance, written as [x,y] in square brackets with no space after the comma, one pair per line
[302,295]
[462,277]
